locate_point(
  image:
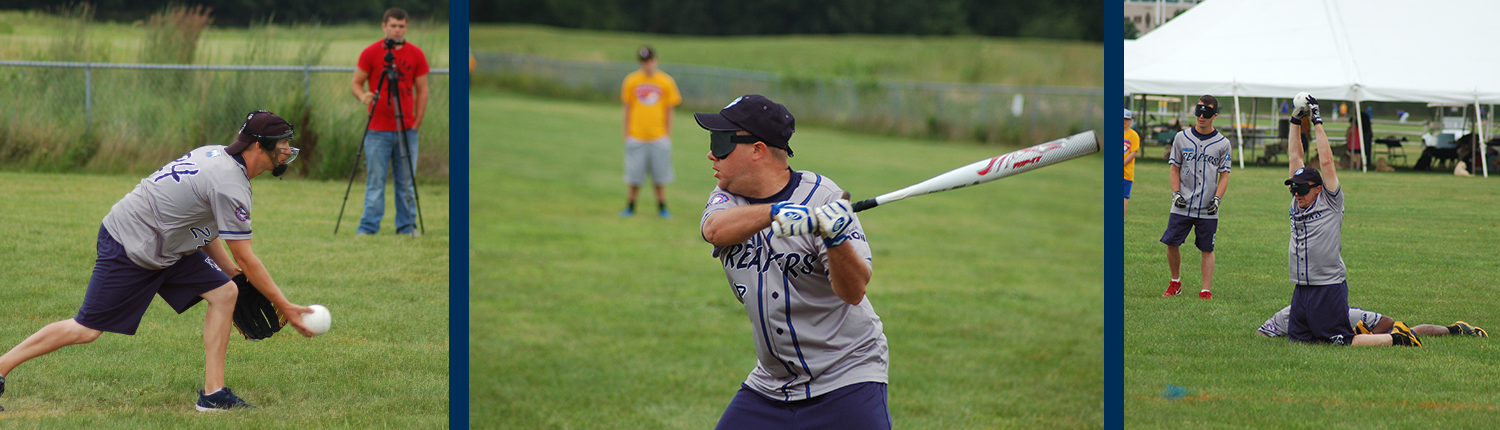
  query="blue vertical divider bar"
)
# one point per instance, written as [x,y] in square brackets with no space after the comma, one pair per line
[458,204]
[1114,235]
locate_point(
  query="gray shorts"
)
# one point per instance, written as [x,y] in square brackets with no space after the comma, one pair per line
[654,156]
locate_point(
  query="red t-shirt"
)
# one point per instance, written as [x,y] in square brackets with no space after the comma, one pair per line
[410,63]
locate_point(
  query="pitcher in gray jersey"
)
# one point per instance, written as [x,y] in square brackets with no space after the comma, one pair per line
[1199,177]
[822,356]
[167,238]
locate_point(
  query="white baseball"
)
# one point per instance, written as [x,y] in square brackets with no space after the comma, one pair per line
[1299,102]
[319,320]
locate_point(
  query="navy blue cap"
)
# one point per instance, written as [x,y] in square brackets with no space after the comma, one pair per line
[767,120]
[1306,175]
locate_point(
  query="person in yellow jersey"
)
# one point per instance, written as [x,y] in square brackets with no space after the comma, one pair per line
[649,96]
[1132,147]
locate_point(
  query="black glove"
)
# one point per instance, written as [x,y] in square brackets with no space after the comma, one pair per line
[1312,108]
[1178,200]
[254,315]
[1213,208]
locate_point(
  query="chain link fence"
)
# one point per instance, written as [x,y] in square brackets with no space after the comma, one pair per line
[1007,114]
[119,118]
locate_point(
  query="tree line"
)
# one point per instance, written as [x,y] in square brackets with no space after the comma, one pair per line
[1054,19]
[242,12]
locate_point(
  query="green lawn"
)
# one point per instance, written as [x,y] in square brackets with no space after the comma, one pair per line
[384,364]
[1419,247]
[959,59]
[990,295]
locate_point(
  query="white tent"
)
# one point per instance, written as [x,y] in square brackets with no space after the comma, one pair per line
[1380,50]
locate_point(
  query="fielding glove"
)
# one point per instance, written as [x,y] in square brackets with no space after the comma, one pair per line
[1213,208]
[834,221]
[254,315]
[1178,200]
[789,219]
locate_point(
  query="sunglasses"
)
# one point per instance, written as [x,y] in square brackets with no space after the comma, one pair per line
[1205,111]
[1300,190]
[722,143]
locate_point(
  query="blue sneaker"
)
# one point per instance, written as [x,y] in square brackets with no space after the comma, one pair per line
[221,400]
[665,214]
[627,213]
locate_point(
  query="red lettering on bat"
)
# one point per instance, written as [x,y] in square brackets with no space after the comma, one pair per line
[1000,161]
[993,162]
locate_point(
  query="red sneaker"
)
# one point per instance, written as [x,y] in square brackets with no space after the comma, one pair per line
[1173,288]
[1205,294]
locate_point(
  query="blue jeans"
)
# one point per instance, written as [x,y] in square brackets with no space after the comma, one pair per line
[382,158]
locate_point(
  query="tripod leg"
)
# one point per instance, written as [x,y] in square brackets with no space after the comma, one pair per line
[358,155]
[407,159]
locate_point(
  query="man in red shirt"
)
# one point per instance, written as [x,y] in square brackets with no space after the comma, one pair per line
[384,155]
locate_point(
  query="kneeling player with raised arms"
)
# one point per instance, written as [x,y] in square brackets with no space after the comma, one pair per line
[1320,298]
[167,237]
[796,258]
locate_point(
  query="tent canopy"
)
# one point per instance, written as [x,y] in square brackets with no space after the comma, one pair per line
[1382,50]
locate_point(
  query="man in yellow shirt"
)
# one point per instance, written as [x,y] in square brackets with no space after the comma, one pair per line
[649,97]
[1132,147]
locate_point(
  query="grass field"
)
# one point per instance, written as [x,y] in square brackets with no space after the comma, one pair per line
[383,365]
[990,296]
[958,59]
[1418,247]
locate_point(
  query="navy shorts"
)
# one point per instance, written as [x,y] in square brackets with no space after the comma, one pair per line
[1178,226]
[1127,188]
[858,406]
[1320,314]
[120,290]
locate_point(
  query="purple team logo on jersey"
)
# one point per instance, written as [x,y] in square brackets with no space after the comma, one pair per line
[241,214]
[177,171]
[718,198]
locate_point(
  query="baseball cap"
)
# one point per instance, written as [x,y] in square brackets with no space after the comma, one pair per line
[767,120]
[1306,175]
[1127,113]
[260,124]
[645,53]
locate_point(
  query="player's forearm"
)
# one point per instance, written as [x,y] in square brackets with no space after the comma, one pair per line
[258,275]
[216,251]
[1223,184]
[847,273]
[1325,151]
[1294,150]
[736,225]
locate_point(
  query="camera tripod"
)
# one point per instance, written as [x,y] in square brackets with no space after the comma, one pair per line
[388,84]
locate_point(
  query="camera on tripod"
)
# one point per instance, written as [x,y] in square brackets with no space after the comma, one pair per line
[393,43]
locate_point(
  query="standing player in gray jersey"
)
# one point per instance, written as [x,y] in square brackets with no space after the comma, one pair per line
[822,355]
[1370,322]
[167,238]
[1200,175]
[1320,300]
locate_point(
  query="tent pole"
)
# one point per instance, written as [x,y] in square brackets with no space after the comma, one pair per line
[1238,136]
[1359,121]
[1479,123]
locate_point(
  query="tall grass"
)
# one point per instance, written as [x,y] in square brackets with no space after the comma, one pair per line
[138,118]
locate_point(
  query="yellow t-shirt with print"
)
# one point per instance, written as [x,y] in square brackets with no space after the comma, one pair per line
[1132,145]
[648,99]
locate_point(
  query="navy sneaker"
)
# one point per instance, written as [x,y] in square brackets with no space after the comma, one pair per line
[221,400]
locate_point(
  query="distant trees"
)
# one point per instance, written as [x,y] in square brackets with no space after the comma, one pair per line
[1054,19]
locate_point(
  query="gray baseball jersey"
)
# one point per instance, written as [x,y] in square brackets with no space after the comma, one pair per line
[1201,159]
[183,206]
[1314,253]
[808,341]
[1280,323]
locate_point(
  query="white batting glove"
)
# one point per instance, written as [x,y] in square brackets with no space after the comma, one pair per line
[834,221]
[789,219]
[1213,208]
[1178,200]
[1312,107]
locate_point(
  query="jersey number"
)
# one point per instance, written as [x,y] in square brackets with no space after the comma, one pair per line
[177,169]
[203,234]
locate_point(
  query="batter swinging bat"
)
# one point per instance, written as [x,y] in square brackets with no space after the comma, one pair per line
[1014,163]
